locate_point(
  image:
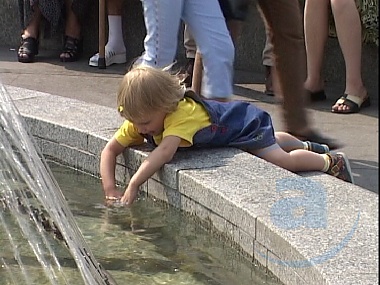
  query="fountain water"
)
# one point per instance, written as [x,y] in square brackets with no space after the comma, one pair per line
[33,210]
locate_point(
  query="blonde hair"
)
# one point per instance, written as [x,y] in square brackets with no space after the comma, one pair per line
[146,89]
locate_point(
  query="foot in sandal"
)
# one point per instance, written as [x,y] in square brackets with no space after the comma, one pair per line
[348,104]
[340,167]
[27,50]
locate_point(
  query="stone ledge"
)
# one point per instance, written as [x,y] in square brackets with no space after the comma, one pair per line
[334,240]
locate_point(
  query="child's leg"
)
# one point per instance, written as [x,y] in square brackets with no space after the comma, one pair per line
[295,160]
[302,160]
[288,143]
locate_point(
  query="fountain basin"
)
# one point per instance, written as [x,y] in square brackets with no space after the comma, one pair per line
[331,237]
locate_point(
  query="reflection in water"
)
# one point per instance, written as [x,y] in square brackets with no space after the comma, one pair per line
[151,242]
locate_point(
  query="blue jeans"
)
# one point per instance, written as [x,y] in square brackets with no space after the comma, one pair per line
[207,24]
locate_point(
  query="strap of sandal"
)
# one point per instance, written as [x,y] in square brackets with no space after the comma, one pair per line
[357,100]
[72,45]
[29,46]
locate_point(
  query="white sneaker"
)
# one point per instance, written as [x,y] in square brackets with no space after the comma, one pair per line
[111,58]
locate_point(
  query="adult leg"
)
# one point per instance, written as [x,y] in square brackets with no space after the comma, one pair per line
[115,51]
[316,34]
[162,20]
[267,55]
[268,58]
[115,27]
[190,49]
[73,36]
[207,23]
[348,28]
[73,25]
[234,27]
[189,43]
[33,28]
[284,19]
[29,42]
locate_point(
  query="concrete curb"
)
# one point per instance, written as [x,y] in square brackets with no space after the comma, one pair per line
[309,229]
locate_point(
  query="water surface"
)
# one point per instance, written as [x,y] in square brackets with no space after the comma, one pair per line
[151,242]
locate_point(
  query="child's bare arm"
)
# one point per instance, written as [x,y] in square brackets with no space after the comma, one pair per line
[107,167]
[156,159]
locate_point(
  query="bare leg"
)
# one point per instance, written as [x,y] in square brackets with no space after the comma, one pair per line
[316,34]
[115,7]
[72,28]
[235,27]
[29,43]
[196,83]
[296,160]
[33,28]
[348,27]
[288,142]
[268,57]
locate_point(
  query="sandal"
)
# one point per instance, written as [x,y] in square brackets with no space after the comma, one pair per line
[72,48]
[354,103]
[27,50]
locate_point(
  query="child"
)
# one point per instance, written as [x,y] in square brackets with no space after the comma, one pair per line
[157,108]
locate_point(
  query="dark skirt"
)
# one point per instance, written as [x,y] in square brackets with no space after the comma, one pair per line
[53,11]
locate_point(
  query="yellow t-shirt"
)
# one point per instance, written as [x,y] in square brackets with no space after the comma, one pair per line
[184,122]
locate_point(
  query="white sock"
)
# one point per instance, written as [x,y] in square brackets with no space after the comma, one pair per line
[115,34]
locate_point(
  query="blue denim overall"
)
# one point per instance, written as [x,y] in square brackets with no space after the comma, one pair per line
[235,124]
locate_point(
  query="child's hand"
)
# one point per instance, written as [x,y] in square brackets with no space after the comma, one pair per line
[113,194]
[130,195]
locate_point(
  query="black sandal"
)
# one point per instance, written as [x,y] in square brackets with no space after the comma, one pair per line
[27,50]
[73,48]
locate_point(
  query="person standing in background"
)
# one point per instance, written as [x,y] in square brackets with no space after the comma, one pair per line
[115,51]
[348,29]
[71,12]
[283,20]
[204,18]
